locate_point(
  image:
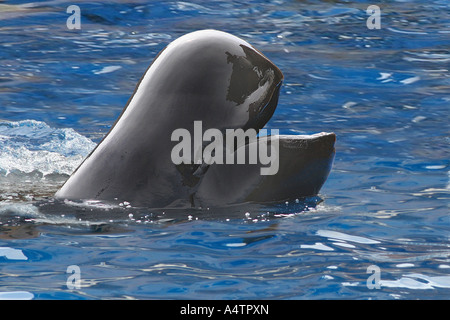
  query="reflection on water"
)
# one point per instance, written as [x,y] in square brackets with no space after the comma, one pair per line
[383,92]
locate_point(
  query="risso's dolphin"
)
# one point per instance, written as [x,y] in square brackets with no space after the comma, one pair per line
[220,81]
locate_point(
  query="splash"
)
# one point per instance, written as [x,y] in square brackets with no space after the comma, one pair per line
[33,146]
[35,158]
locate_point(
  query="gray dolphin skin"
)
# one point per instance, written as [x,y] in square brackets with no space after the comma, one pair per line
[222,81]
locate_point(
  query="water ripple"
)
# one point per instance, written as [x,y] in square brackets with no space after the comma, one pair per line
[384,92]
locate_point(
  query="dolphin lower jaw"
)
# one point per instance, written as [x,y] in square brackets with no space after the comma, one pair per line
[304,165]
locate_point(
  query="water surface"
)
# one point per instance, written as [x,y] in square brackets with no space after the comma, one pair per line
[384,92]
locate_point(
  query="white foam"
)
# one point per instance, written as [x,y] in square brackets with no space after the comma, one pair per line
[405,283]
[345,237]
[24,160]
[29,145]
[435,167]
[317,246]
[410,80]
[404,265]
[344,244]
[16,295]
[107,69]
[384,75]
[93,204]
[239,244]
[19,209]
[409,281]
[12,254]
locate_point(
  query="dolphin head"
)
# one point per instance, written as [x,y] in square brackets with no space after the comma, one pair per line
[215,77]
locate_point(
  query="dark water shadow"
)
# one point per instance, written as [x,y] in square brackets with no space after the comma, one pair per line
[80,218]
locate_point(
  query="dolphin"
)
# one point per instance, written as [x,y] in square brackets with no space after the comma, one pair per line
[224,82]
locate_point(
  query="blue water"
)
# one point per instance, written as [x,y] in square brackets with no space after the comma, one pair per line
[384,92]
